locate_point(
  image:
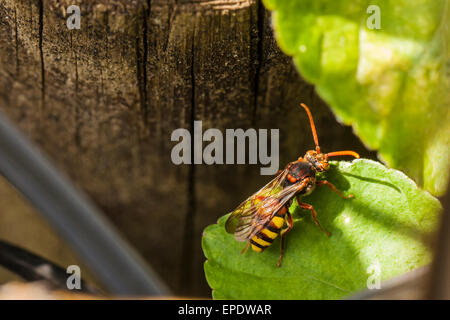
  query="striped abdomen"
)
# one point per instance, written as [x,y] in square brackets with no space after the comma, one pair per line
[265,237]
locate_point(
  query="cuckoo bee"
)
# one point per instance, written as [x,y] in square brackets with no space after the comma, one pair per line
[261,218]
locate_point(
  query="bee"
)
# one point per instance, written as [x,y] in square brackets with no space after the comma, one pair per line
[260,219]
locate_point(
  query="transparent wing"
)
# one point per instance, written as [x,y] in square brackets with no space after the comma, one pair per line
[252,215]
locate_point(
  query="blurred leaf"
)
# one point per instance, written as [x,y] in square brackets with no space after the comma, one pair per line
[391,84]
[386,225]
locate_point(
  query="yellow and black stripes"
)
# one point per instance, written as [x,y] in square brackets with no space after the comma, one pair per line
[265,237]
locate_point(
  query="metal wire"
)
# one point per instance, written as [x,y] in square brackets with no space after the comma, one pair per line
[116,265]
[32,267]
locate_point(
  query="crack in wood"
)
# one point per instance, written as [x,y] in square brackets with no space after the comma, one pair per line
[144,60]
[41,51]
[259,57]
[31,13]
[77,104]
[141,61]
[186,263]
[16,42]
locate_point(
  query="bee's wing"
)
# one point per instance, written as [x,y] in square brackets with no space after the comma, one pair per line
[247,210]
[254,213]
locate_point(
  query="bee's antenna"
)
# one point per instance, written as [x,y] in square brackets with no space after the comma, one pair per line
[343,153]
[313,127]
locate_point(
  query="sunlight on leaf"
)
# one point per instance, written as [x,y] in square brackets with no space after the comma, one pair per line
[387,226]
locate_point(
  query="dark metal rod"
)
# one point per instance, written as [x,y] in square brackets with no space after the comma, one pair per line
[78,221]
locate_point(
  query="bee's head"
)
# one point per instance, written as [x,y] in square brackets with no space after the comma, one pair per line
[318,160]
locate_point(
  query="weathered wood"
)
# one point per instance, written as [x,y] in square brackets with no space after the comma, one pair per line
[102,102]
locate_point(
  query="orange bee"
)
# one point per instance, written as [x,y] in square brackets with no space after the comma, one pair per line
[260,219]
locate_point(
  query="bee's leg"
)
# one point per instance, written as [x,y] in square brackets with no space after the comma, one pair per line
[313,214]
[245,248]
[290,224]
[333,188]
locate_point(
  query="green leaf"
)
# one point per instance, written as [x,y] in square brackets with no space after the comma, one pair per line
[391,84]
[386,225]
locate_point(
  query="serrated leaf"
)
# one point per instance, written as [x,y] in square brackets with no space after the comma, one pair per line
[387,226]
[391,84]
